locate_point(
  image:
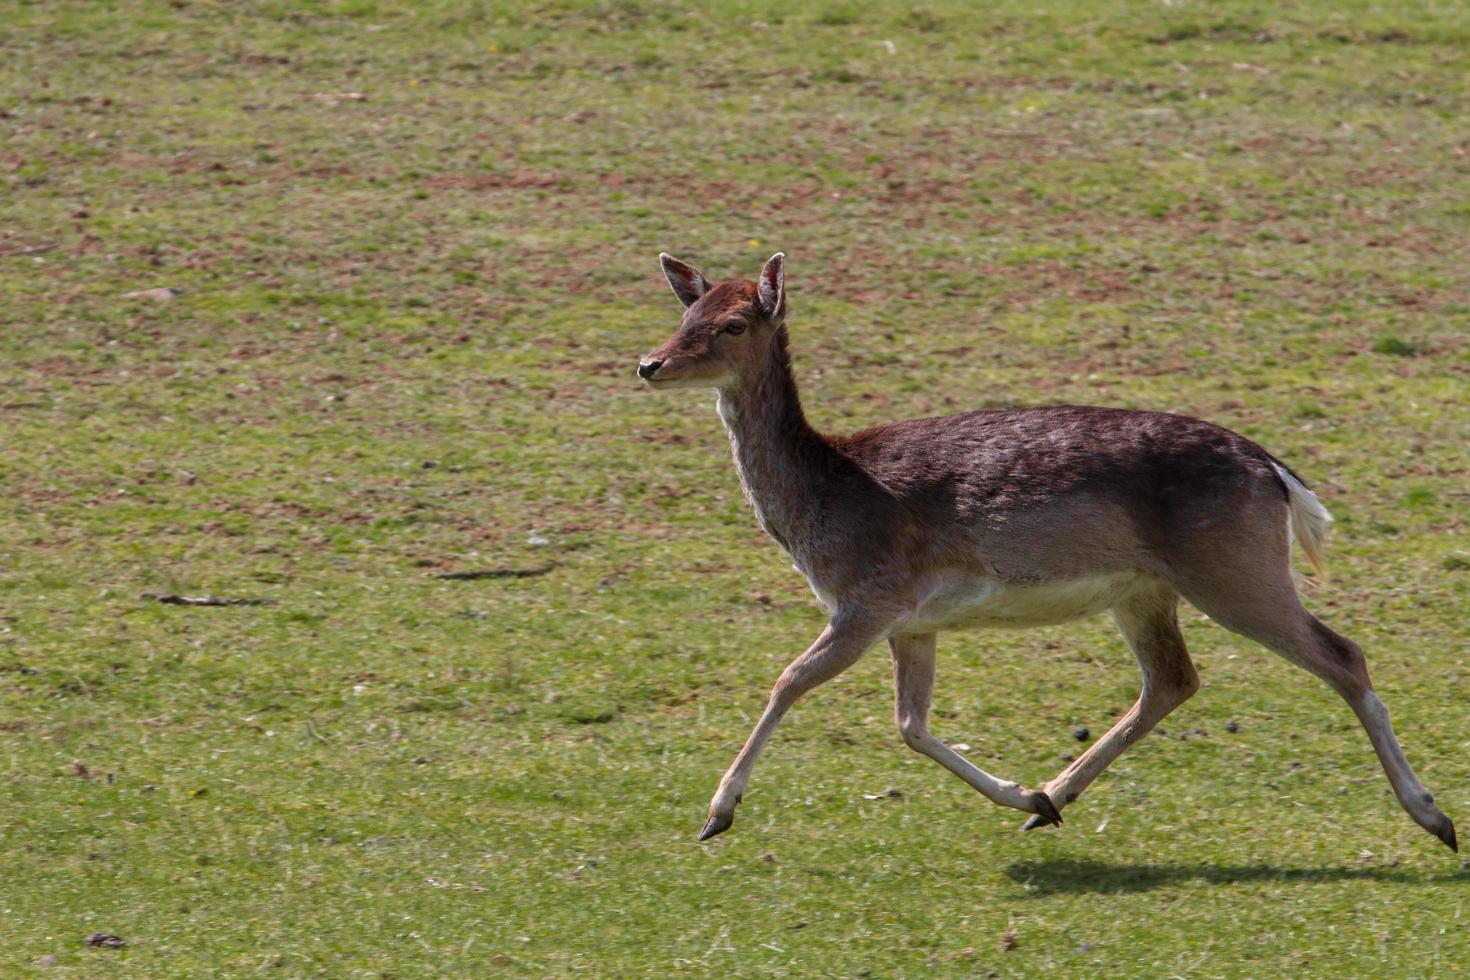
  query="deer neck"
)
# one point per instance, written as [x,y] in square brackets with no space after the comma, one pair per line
[780,457]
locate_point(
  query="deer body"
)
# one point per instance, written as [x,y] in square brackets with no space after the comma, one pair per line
[1009,519]
[967,601]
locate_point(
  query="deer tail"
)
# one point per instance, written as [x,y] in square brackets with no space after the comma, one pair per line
[1308,518]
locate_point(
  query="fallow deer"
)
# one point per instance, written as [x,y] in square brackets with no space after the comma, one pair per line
[1009,518]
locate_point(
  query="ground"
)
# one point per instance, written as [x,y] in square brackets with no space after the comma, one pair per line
[414,248]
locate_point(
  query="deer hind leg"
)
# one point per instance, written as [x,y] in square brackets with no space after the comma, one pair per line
[1149,623]
[913,682]
[1271,614]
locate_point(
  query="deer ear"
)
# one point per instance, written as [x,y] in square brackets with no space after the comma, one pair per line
[688,282]
[771,287]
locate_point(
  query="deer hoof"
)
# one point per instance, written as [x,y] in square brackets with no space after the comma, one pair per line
[1046,812]
[716,824]
[1446,833]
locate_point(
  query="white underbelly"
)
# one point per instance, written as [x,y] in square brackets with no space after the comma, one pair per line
[975,601]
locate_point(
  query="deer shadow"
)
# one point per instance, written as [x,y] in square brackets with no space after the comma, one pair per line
[1057,876]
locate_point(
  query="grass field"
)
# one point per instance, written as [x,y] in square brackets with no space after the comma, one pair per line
[416,246]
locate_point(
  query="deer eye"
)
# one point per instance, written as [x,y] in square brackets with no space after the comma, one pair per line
[735,327]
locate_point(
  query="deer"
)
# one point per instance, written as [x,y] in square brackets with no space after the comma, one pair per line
[1015,518]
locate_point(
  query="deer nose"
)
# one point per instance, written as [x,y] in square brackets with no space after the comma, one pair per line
[647,369]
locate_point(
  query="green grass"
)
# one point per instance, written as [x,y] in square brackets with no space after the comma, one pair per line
[416,246]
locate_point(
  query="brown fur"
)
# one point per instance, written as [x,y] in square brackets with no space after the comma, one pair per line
[1018,517]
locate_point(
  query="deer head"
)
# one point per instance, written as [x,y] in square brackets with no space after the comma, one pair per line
[728,328]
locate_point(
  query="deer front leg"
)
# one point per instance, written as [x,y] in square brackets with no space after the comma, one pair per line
[913,682]
[846,638]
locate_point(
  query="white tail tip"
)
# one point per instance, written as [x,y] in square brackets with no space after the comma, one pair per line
[1308,519]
